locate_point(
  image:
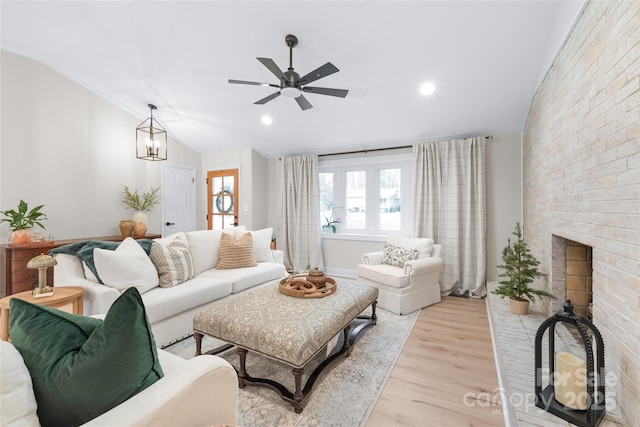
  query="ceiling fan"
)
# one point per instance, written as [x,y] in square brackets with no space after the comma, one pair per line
[291,84]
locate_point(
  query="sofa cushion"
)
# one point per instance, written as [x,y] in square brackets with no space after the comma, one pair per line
[245,278]
[396,255]
[127,266]
[17,400]
[173,262]
[422,244]
[262,245]
[205,245]
[236,253]
[384,273]
[162,303]
[82,367]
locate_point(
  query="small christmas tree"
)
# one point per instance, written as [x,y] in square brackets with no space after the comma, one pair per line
[521,269]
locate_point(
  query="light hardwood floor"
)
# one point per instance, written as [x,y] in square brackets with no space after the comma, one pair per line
[446,373]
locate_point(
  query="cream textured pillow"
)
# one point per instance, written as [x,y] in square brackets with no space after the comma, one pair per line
[236,253]
[173,262]
[126,267]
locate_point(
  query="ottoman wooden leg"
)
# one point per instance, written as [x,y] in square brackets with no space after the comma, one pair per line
[242,373]
[297,395]
[374,317]
[346,346]
[198,338]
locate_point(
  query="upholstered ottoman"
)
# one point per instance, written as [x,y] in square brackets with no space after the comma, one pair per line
[288,329]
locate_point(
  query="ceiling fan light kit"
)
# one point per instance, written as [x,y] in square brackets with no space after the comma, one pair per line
[291,84]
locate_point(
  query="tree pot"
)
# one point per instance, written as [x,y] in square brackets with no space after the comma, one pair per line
[519,306]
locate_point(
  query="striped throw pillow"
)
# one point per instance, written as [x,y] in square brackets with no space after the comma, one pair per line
[173,262]
[236,253]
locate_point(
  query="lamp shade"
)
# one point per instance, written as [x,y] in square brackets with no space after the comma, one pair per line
[151,139]
[42,261]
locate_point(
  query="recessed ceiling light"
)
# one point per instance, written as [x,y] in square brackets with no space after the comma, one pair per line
[266,120]
[427,89]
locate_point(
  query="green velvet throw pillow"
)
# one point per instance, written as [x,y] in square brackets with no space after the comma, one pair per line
[80,366]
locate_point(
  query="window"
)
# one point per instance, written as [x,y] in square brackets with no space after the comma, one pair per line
[366,194]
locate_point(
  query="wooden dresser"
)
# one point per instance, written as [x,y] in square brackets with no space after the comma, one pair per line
[16,277]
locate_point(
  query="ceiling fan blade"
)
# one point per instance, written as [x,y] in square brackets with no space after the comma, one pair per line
[244,82]
[268,98]
[326,91]
[303,103]
[268,62]
[320,72]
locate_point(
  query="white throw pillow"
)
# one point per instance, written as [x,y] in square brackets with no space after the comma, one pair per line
[262,245]
[17,400]
[126,267]
[205,245]
[422,244]
[166,241]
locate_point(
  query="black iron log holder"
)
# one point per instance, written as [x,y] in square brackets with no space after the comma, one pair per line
[595,381]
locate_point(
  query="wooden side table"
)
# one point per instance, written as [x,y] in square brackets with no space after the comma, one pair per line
[62,296]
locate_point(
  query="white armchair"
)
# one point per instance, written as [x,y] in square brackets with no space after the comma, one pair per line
[201,391]
[408,288]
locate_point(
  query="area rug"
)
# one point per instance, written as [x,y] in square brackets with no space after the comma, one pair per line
[344,394]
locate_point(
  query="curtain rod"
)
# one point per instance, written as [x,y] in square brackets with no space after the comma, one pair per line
[378,149]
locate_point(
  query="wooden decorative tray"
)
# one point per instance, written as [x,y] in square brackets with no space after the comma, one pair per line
[299,287]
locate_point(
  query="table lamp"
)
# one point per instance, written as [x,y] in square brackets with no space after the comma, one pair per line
[42,262]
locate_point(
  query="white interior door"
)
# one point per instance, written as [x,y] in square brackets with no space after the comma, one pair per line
[179,200]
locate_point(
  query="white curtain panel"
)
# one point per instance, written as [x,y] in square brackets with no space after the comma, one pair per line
[298,214]
[450,206]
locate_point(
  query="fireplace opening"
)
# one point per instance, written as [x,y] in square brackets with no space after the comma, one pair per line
[572,275]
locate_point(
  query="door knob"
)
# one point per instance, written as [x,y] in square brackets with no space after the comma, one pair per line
[170,223]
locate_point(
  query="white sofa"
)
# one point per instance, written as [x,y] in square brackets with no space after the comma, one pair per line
[408,288]
[201,391]
[171,310]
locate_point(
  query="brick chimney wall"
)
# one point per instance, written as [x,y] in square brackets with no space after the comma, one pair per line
[581,173]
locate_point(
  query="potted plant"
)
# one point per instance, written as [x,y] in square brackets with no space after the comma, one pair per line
[520,270]
[22,221]
[330,224]
[140,203]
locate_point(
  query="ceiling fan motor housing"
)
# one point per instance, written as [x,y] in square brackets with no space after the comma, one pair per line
[291,85]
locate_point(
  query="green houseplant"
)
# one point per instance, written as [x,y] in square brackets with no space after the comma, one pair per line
[520,269]
[140,203]
[22,220]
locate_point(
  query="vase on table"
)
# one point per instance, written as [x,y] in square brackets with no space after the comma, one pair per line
[139,224]
[126,227]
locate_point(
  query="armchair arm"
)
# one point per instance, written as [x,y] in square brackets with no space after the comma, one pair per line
[372,258]
[423,266]
[204,391]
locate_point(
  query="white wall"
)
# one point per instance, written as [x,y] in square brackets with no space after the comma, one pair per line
[504,195]
[67,148]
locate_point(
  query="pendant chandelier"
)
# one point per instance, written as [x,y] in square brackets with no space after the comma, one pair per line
[151,139]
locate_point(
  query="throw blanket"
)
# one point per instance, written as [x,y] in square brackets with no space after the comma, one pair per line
[84,250]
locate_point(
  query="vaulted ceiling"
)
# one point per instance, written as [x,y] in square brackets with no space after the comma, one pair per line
[485,59]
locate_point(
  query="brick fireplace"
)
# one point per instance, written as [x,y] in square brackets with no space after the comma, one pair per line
[581,183]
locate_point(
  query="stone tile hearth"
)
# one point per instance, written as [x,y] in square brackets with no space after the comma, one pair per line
[513,340]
